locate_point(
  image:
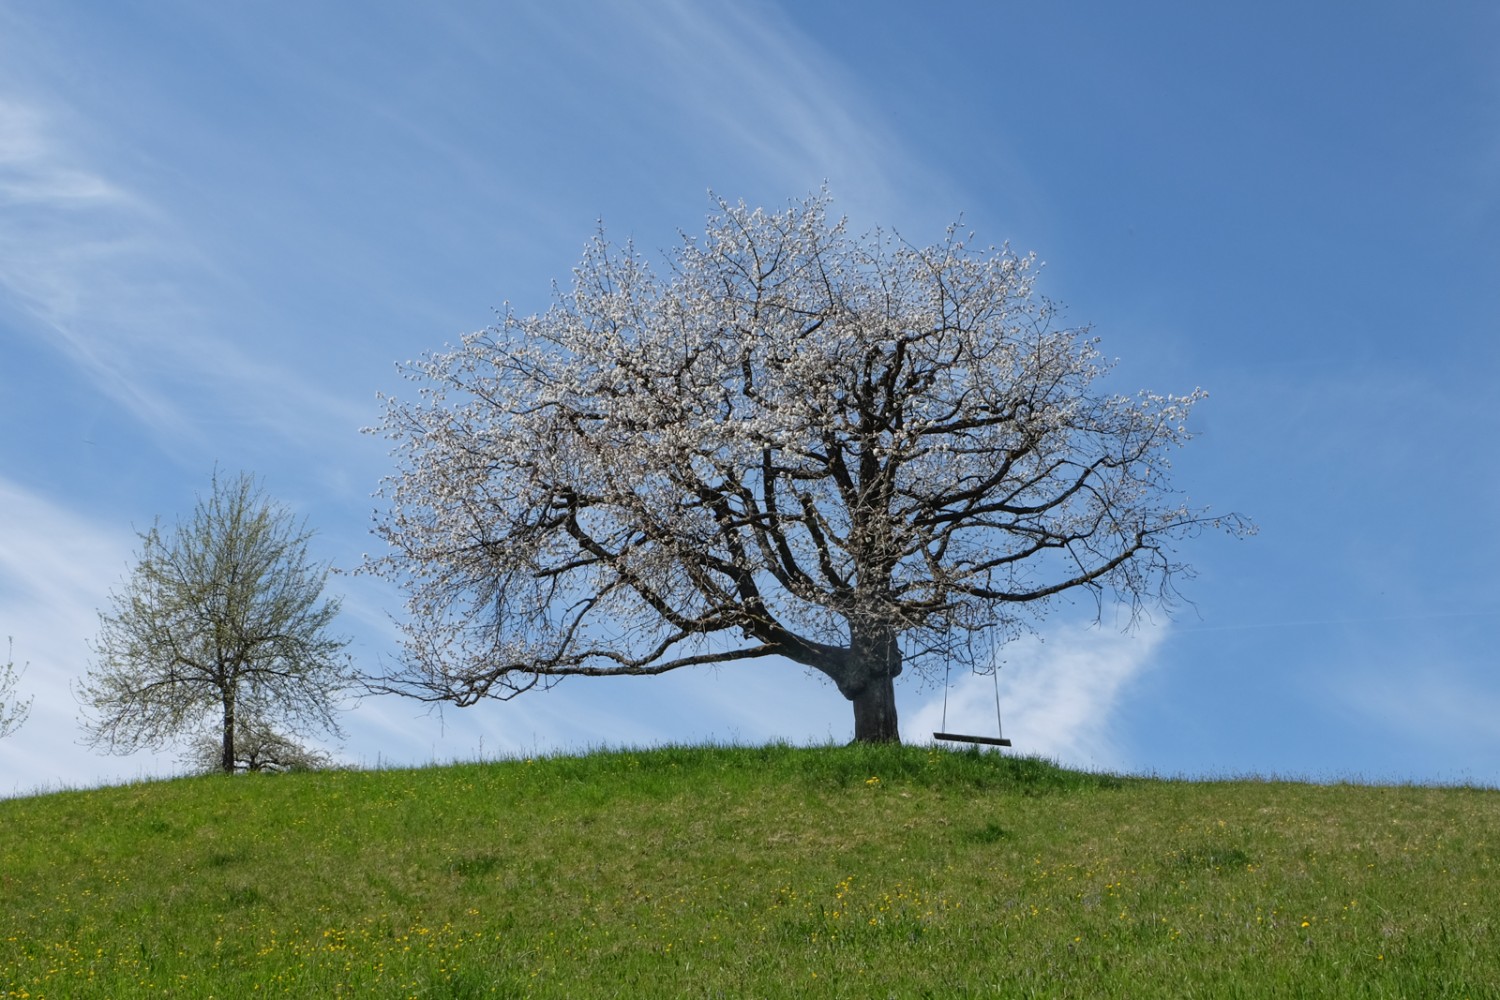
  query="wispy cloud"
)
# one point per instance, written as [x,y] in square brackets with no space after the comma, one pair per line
[1058,695]
[794,106]
[30,171]
[1436,707]
[74,250]
[112,281]
[56,569]
[772,112]
[773,92]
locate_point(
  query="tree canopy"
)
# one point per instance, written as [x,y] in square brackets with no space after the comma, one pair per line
[845,451]
[222,621]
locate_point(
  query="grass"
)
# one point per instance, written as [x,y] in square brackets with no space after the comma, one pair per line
[749,872]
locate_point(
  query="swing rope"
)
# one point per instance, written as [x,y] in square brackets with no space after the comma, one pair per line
[999,723]
[947,667]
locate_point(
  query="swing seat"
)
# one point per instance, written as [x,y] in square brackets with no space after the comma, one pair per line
[995,741]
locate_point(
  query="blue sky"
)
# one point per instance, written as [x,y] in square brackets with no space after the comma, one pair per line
[222,225]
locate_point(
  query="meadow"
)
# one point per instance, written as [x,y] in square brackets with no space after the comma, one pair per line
[862,871]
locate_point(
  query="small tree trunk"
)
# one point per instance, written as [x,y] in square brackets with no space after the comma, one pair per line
[226,762]
[877,656]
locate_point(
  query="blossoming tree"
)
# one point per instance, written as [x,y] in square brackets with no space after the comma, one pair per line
[799,444]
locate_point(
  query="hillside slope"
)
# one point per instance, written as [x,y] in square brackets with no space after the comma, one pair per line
[749,872]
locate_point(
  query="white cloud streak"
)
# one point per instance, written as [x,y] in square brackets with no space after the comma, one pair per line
[772,92]
[72,245]
[115,284]
[753,106]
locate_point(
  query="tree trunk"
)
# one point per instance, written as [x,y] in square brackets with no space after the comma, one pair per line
[875,712]
[226,762]
[877,657]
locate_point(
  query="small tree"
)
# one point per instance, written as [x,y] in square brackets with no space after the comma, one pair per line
[851,453]
[222,619]
[258,747]
[13,711]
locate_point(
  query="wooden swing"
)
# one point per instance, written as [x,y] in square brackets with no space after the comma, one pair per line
[996,741]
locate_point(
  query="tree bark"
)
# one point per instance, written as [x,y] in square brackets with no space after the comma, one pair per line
[877,657]
[875,712]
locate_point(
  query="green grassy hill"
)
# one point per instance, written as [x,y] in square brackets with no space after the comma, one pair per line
[765,872]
